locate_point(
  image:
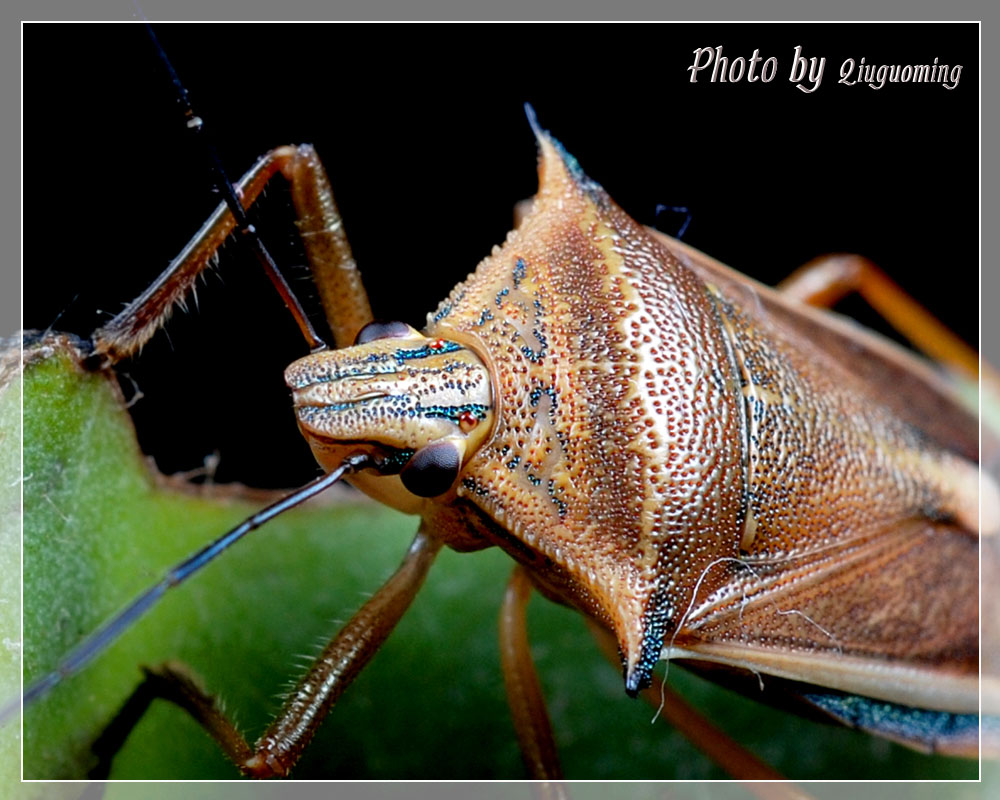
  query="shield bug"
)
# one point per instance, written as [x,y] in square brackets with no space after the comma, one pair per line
[544,400]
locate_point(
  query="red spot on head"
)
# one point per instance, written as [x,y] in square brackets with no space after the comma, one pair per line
[437,344]
[467,421]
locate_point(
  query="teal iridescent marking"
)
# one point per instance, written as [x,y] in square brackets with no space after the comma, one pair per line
[451,412]
[520,270]
[388,367]
[427,412]
[395,461]
[561,505]
[533,355]
[593,189]
[447,307]
[893,719]
[402,355]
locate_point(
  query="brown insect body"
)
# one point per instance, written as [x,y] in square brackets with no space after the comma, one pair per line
[661,440]
[707,470]
[673,461]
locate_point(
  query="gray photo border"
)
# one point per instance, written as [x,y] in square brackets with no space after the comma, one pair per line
[10,292]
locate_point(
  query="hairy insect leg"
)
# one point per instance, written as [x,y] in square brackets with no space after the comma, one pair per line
[825,280]
[524,692]
[345,301]
[279,748]
[340,663]
[171,681]
[713,742]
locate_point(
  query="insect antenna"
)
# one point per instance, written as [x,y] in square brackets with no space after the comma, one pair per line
[100,639]
[248,233]
[681,213]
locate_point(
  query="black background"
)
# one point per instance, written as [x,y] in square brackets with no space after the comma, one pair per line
[422,130]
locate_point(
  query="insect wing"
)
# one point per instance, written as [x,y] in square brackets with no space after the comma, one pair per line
[906,383]
[919,578]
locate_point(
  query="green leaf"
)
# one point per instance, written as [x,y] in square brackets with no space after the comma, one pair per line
[99,527]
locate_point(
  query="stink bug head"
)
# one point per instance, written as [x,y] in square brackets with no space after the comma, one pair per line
[418,405]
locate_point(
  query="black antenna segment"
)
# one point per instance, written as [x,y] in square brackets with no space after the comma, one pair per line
[248,232]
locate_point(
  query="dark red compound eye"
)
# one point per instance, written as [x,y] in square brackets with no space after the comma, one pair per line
[437,344]
[379,329]
[467,421]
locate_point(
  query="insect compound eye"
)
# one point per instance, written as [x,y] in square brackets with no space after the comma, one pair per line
[383,330]
[433,469]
